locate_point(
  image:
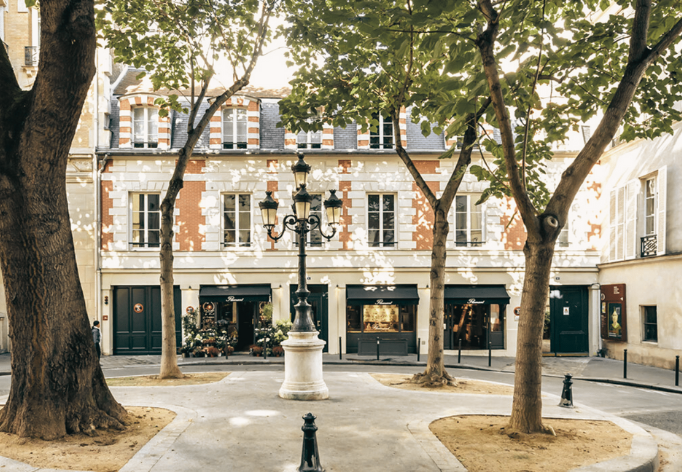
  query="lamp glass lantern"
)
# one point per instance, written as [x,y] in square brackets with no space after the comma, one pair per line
[302,203]
[333,206]
[268,209]
[301,170]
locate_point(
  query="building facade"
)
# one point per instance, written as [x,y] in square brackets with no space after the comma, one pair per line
[371,280]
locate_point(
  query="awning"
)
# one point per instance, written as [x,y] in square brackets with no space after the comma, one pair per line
[476,295]
[235,293]
[382,295]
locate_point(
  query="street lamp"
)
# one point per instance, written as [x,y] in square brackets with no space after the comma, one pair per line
[303,350]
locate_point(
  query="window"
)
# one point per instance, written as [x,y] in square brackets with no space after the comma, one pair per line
[468,221]
[378,319]
[309,140]
[650,324]
[650,207]
[236,220]
[145,127]
[146,219]
[562,240]
[381,217]
[382,138]
[235,123]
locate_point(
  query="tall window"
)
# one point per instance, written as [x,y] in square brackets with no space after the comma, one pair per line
[562,240]
[145,127]
[146,219]
[650,324]
[235,122]
[314,237]
[468,221]
[382,138]
[650,207]
[381,217]
[236,220]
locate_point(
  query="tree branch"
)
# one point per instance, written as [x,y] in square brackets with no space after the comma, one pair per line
[640,28]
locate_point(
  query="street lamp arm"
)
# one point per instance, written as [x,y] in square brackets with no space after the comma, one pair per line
[289,222]
[316,222]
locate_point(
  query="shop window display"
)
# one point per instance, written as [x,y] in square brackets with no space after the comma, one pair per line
[380,318]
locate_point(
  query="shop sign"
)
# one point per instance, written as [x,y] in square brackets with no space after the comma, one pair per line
[473,301]
[233,299]
[381,302]
[138,308]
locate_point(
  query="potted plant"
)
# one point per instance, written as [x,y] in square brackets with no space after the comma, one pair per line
[278,351]
[256,351]
[212,351]
[198,352]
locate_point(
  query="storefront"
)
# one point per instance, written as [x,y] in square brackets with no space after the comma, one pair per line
[475,315]
[238,306]
[566,321]
[386,312]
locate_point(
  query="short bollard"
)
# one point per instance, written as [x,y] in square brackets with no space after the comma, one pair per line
[677,371]
[310,456]
[459,353]
[567,393]
[419,343]
[340,350]
[378,346]
[625,363]
[490,354]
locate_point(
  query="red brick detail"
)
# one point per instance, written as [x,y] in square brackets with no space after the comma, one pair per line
[195,167]
[253,141]
[346,219]
[215,119]
[328,131]
[190,217]
[514,236]
[426,167]
[363,143]
[253,106]
[273,186]
[402,121]
[164,131]
[594,190]
[125,129]
[125,105]
[253,119]
[125,119]
[423,234]
[150,100]
[253,130]
[107,220]
[107,167]
[328,142]
[344,165]
[215,141]
[360,132]
[164,141]
[138,100]
[273,166]
[288,142]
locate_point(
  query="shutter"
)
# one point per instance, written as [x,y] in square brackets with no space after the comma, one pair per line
[662,181]
[620,224]
[633,188]
[612,226]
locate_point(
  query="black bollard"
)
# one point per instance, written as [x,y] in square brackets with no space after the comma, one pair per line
[459,352]
[490,354]
[419,347]
[378,348]
[265,348]
[340,350]
[567,393]
[677,371]
[310,456]
[625,363]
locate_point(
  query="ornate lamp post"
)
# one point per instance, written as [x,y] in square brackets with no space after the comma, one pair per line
[303,360]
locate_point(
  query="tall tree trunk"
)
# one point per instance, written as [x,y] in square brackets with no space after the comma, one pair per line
[527,405]
[57,383]
[435,373]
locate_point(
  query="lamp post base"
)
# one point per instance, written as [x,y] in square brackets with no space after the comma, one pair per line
[303,367]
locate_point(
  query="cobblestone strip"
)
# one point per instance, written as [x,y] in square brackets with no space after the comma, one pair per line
[444,459]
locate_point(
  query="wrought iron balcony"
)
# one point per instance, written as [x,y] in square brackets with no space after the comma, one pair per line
[649,246]
[31,54]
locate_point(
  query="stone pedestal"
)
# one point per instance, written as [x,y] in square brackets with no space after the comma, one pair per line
[303,367]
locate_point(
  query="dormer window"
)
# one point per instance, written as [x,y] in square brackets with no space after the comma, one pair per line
[145,127]
[235,122]
[382,138]
[309,140]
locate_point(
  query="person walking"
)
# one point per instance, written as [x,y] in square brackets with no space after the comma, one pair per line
[97,337]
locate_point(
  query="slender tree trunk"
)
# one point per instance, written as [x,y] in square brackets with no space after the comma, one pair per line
[435,373]
[527,405]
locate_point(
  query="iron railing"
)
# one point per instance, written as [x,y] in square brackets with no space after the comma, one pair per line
[649,246]
[31,55]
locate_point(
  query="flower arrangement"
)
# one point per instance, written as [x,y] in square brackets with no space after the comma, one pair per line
[272,335]
[218,335]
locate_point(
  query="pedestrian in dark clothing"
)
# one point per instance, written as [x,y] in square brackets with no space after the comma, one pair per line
[97,337]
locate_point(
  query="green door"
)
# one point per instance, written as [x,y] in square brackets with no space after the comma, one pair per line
[137,319]
[569,320]
[319,300]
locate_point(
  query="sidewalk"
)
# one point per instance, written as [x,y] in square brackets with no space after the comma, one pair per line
[581,368]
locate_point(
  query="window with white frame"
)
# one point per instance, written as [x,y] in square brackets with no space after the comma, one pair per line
[145,220]
[650,207]
[235,128]
[145,127]
[562,240]
[309,140]
[236,220]
[381,231]
[382,137]
[468,221]
[650,321]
